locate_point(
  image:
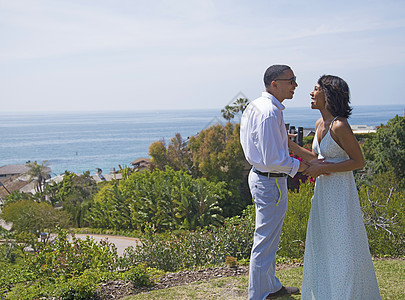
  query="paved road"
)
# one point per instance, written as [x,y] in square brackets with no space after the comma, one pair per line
[120,242]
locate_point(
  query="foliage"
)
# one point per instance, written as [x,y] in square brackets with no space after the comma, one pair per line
[138,275]
[7,251]
[178,155]
[76,194]
[292,240]
[188,249]
[385,151]
[215,154]
[384,217]
[218,156]
[231,261]
[229,111]
[65,258]
[167,199]
[158,152]
[307,141]
[38,173]
[68,268]
[79,287]
[16,196]
[30,216]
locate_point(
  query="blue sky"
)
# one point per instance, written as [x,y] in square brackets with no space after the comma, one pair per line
[189,54]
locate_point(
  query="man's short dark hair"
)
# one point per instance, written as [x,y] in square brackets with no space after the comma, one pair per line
[273,72]
[337,95]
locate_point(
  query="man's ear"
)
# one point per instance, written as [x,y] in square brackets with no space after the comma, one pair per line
[273,86]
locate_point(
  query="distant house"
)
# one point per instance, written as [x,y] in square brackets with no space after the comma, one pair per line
[12,170]
[106,177]
[13,178]
[12,184]
[141,163]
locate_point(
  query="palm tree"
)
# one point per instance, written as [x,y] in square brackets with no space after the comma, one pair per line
[240,104]
[228,112]
[39,173]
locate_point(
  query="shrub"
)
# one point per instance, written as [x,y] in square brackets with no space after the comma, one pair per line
[292,240]
[384,218]
[71,258]
[188,249]
[79,287]
[31,290]
[30,216]
[231,261]
[168,199]
[385,151]
[138,276]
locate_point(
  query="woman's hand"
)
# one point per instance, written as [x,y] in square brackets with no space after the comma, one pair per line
[317,167]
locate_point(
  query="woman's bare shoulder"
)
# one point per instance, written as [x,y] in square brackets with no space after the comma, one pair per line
[341,126]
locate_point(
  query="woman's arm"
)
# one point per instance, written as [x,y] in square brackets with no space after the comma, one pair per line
[344,137]
[305,154]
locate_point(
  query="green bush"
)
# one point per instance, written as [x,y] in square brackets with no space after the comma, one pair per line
[188,249]
[68,258]
[138,276]
[31,290]
[168,199]
[79,287]
[385,151]
[292,240]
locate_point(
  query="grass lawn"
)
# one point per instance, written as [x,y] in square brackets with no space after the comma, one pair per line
[390,276]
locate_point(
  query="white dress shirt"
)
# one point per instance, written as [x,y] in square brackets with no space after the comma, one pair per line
[264,137]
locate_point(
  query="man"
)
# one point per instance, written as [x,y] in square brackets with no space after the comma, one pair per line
[265,143]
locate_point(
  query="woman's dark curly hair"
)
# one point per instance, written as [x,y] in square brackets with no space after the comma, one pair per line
[337,95]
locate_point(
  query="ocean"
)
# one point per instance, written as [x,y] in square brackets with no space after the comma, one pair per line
[84,141]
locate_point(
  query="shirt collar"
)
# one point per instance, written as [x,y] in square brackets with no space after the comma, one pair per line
[274,100]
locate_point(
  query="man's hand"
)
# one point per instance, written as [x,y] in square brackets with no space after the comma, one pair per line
[316,168]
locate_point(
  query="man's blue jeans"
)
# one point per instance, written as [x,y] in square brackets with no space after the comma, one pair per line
[270,196]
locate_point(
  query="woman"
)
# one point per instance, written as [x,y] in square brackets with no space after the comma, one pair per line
[337,261]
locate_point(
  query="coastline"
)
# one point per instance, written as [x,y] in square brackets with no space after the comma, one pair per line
[85,141]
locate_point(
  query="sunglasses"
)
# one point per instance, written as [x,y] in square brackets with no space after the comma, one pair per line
[292,80]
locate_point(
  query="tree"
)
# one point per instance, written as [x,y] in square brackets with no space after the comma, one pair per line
[218,156]
[16,196]
[228,113]
[167,199]
[386,150]
[33,217]
[38,173]
[76,195]
[179,156]
[158,152]
[240,105]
